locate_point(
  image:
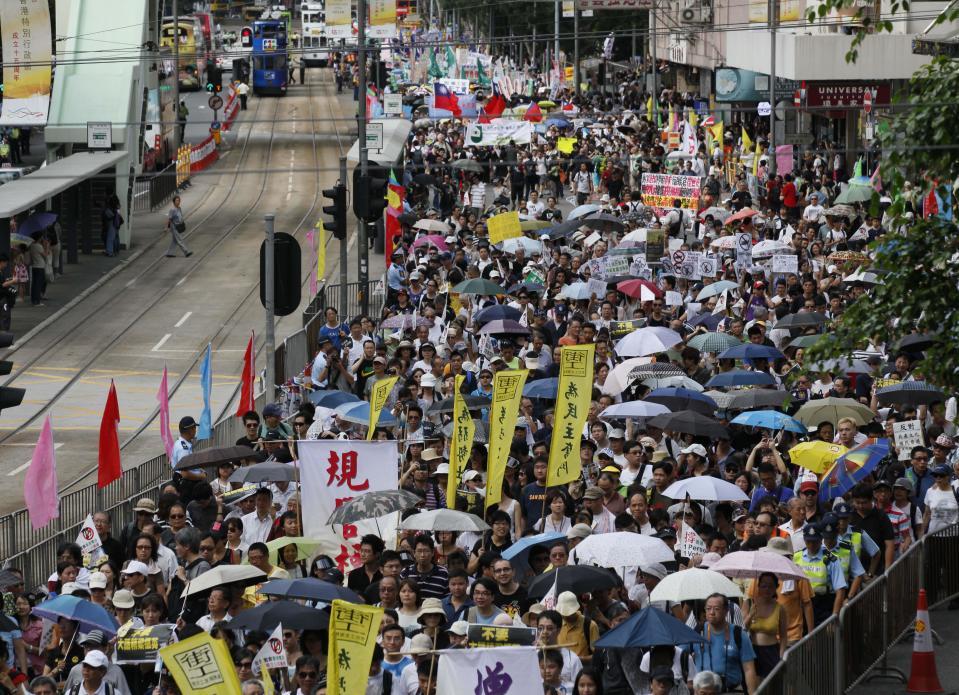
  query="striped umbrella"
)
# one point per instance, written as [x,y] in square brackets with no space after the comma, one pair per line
[713,342]
[911,393]
[851,468]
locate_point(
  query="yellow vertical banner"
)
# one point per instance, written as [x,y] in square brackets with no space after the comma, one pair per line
[382,19]
[507,394]
[378,396]
[353,630]
[573,396]
[268,687]
[461,444]
[201,665]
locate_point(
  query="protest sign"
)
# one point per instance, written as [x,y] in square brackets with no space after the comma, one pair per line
[494,636]
[504,671]
[744,249]
[596,288]
[565,145]
[353,630]
[493,134]
[617,329]
[504,411]
[89,541]
[660,190]
[674,299]
[503,226]
[907,435]
[273,652]
[574,391]
[655,244]
[690,543]
[140,646]
[708,267]
[785,263]
[617,265]
[597,268]
[201,665]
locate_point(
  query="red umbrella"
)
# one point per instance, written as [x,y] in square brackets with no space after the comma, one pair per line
[743,214]
[633,288]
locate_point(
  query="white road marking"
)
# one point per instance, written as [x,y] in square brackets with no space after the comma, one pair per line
[288,195]
[162,342]
[181,281]
[131,283]
[25,466]
[186,316]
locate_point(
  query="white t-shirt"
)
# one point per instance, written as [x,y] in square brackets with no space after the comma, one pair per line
[943,508]
[677,667]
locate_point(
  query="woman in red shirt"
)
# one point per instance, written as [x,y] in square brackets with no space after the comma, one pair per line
[789,197]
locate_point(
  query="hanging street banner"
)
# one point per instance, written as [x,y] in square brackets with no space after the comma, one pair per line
[382,19]
[339,19]
[573,396]
[491,134]
[353,630]
[504,671]
[660,190]
[25,30]
[461,444]
[201,665]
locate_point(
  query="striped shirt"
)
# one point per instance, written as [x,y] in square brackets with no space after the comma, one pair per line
[433,584]
[900,524]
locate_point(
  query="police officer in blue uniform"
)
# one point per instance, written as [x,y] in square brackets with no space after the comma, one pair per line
[824,572]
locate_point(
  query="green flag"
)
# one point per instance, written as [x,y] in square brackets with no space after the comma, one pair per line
[857,170]
[450,61]
[434,71]
[480,73]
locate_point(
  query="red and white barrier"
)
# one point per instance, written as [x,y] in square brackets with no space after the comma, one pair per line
[203,155]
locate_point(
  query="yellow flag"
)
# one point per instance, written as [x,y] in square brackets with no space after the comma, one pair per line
[747,142]
[649,107]
[353,630]
[320,250]
[505,225]
[716,131]
[378,395]
[201,665]
[572,406]
[461,444]
[268,687]
[693,118]
[507,394]
[565,145]
[756,160]
[393,198]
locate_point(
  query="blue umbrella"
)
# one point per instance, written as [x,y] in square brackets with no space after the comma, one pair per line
[332,399]
[497,312]
[36,223]
[740,377]
[518,553]
[542,388]
[558,122]
[709,321]
[650,627]
[851,468]
[359,413]
[308,588]
[88,615]
[770,420]
[749,351]
[683,399]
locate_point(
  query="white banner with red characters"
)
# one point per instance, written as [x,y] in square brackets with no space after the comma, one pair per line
[332,472]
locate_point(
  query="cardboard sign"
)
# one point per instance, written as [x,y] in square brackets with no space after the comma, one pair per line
[655,244]
[638,266]
[597,268]
[674,299]
[496,636]
[503,226]
[744,249]
[617,265]
[690,542]
[786,263]
[907,435]
[708,267]
[597,288]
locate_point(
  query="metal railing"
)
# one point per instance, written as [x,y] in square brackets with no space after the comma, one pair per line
[150,191]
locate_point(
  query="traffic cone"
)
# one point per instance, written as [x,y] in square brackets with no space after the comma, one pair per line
[923,677]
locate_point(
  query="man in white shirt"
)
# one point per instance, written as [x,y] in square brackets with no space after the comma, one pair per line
[218,604]
[603,520]
[257,524]
[534,206]
[813,212]
[796,523]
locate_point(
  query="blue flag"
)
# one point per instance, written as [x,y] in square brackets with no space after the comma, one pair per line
[205,430]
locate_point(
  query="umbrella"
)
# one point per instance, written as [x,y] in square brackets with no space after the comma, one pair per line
[371,505]
[89,615]
[332,399]
[431,239]
[842,365]
[563,229]
[769,419]
[694,584]
[405,322]
[618,378]
[816,456]
[408,218]
[446,405]
[805,319]
[769,248]
[424,179]
[518,552]
[497,312]
[833,409]
[621,549]
[851,468]
[359,414]
[650,627]
[542,388]
[633,288]
[712,289]
[911,393]
[804,341]
[16,238]
[558,122]
[269,472]
[743,214]
[708,321]
[576,291]
[746,564]
[864,277]
[690,422]
[292,615]
[580,579]
[304,547]
[717,213]
[648,341]
[705,488]
[241,575]
[529,246]
[532,287]
[722,398]
[36,223]
[631,409]
[468,165]
[654,370]
[444,520]
[604,222]
[917,342]
[308,588]
[713,342]
[741,377]
[750,351]
[747,399]
[504,327]
[678,398]
[210,458]
[724,243]
[855,194]
[530,225]
[477,286]
[583,210]
[672,381]
[480,435]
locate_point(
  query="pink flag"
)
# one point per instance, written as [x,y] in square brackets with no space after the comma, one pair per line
[40,483]
[163,396]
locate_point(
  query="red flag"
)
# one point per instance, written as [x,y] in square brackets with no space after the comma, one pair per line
[533,114]
[110,468]
[246,380]
[930,205]
[495,106]
[443,98]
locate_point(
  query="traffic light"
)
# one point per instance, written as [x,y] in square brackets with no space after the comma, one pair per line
[9,397]
[246,37]
[336,211]
[214,79]
[286,274]
[369,193]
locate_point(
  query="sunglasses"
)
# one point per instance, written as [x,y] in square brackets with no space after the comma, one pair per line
[307,674]
[178,516]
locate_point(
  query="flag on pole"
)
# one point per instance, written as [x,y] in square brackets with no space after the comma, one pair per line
[857,169]
[481,76]
[461,444]
[450,61]
[716,132]
[273,652]
[443,98]
[205,430]
[534,114]
[504,410]
[495,105]
[747,141]
[163,397]
[434,70]
[201,665]
[756,160]
[40,483]
[379,394]
[394,208]
[247,379]
[649,107]
[109,468]
[549,600]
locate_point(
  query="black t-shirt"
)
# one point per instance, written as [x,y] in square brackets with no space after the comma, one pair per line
[879,528]
[515,604]
[486,545]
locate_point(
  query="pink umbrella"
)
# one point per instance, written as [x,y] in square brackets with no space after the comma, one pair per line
[431,240]
[745,564]
[743,214]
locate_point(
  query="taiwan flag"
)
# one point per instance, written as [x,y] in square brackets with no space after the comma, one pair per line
[533,114]
[495,105]
[444,99]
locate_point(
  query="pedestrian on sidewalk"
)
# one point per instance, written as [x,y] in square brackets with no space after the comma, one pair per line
[176,226]
[112,221]
[294,63]
[38,266]
[301,64]
[182,113]
[243,89]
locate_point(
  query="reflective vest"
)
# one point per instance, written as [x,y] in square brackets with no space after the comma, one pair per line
[843,553]
[815,571]
[853,541]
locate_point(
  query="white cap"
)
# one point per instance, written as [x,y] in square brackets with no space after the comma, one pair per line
[420,644]
[428,380]
[472,475]
[697,449]
[567,604]
[617,434]
[442,469]
[98,580]
[459,627]
[136,567]
[96,659]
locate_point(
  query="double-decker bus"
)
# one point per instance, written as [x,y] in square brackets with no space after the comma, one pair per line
[192,56]
[269,56]
[313,42]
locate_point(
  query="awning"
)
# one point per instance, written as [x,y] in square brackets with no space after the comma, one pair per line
[395,133]
[27,192]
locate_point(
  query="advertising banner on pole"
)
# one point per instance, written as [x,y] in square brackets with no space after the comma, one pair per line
[339,19]
[25,28]
[382,19]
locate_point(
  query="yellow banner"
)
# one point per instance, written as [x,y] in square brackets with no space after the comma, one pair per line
[268,687]
[461,445]
[503,226]
[716,131]
[507,394]
[565,145]
[747,142]
[320,250]
[27,46]
[378,396]
[201,665]
[382,18]
[353,630]
[572,406]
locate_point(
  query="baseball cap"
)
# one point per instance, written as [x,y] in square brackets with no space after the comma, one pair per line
[617,434]
[654,569]
[472,475]
[808,485]
[187,422]
[578,531]
[697,449]
[428,380]
[96,659]
[648,441]
[442,469]
[881,483]
[941,469]
[593,493]
[98,580]
[136,567]
[739,513]
[904,483]
[272,410]
[459,627]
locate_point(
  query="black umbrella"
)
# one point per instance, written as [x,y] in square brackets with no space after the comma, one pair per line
[210,458]
[678,403]
[690,422]
[531,287]
[309,588]
[803,320]
[293,616]
[910,393]
[580,579]
[424,179]
[758,398]
[917,342]
[563,229]
[603,222]
[408,218]
[446,405]
[264,473]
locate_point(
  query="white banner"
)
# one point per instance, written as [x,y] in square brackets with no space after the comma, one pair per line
[27,63]
[456,85]
[785,263]
[89,541]
[690,543]
[489,134]
[503,671]
[339,19]
[273,653]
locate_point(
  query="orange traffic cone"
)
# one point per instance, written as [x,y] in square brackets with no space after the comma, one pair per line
[923,677]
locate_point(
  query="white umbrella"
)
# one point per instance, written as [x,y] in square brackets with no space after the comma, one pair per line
[694,584]
[444,520]
[724,242]
[432,226]
[621,549]
[634,409]
[635,235]
[648,341]
[745,564]
[665,382]
[530,246]
[769,248]
[618,378]
[582,211]
[705,487]
[244,575]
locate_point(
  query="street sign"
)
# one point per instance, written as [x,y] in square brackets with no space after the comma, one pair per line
[215,102]
[99,135]
[932,47]
[867,101]
[764,108]
[374,136]
[798,139]
[393,104]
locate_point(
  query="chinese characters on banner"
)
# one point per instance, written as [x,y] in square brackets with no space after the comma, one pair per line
[572,406]
[503,671]
[507,394]
[353,630]
[140,646]
[273,652]
[339,20]
[907,435]
[660,190]
[26,62]
[378,396]
[494,636]
[690,544]
[382,19]
[201,665]
[461,444]
[89,541]
[332,472]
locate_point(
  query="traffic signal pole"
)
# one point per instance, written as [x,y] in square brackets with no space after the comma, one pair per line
[269,391]
[343,256]
[361,241]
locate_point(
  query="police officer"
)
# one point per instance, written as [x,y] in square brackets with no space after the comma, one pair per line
[824,573]
[185,480]
[396,278]
[852,568]
[857,541]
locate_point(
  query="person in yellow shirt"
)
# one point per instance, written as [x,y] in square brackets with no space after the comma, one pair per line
[578,633]
[795,596]
[259,556]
